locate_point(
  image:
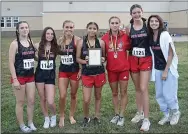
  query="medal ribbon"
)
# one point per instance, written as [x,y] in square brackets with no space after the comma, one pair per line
[68,51]
[114,44]
[47,55]
[90,45]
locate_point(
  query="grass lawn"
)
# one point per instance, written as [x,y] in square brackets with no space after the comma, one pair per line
[8,117]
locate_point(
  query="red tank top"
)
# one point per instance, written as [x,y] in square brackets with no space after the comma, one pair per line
[116,52]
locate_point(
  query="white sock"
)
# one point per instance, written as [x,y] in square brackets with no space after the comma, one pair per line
[53,117]
[22,125]
[47,118]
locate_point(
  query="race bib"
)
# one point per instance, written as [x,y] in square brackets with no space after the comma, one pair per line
[46,65]
[138,52]
[28,63]
[67,59]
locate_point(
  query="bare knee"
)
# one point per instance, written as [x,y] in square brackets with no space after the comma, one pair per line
[31,102]
[86,101]
[143,89]
[62,97]
[51,103]
[73,96]
[98,96]
[42,99]
[20,103]
[115,94]
[123,93]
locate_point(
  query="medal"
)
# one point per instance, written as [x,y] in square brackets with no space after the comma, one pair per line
[115,55]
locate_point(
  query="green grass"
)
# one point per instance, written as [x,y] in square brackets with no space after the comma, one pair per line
[9,123]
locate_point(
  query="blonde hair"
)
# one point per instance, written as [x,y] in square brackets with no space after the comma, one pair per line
[62,39]
[114,17]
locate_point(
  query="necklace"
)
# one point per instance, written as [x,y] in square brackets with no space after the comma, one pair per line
[89,45]
[47,53]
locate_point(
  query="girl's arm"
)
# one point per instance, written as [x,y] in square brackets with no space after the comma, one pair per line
[103,50]
[78,53]
[12,52]
[169,61]
[36,46]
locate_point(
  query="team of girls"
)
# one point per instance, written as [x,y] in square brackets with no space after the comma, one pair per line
[132,47]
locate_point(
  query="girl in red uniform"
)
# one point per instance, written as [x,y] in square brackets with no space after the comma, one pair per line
[68,70]
[91,75]
[21,64]
[116,46]
[140,64]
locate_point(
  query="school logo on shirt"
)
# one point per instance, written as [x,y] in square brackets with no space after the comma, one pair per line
[142,31]
[120,45]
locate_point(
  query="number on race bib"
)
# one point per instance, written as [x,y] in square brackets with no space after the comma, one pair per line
[67,59]
[46,65]
[28,63]
[138,52]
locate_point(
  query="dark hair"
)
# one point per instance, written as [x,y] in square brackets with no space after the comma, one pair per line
[133,7]
[113,18]
[161,25]
[43,41]
[17,32]
[92,23]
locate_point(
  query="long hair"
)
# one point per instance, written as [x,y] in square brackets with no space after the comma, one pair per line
[131,10]
[113,17]
[87,26]
[17,32]
[62,39]
[135,6]
[43,41]
[161,25]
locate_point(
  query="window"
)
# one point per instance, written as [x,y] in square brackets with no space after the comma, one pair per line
[2,22]
[15,21]
[9,22]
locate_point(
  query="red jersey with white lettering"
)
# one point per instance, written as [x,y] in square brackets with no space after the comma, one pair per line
[116,51]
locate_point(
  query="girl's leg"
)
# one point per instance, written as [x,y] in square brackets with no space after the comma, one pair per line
[74,87]
[63,85]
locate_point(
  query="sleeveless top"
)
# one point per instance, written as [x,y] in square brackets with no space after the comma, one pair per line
[68,58]
[24,60]
[90,70]
[140,39]
[46,67]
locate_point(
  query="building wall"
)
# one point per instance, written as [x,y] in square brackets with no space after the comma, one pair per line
[178,16]
[27,10]
[178,5]
[178,19]
[22,8]
[81,19]
[116,6]
[40,14]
